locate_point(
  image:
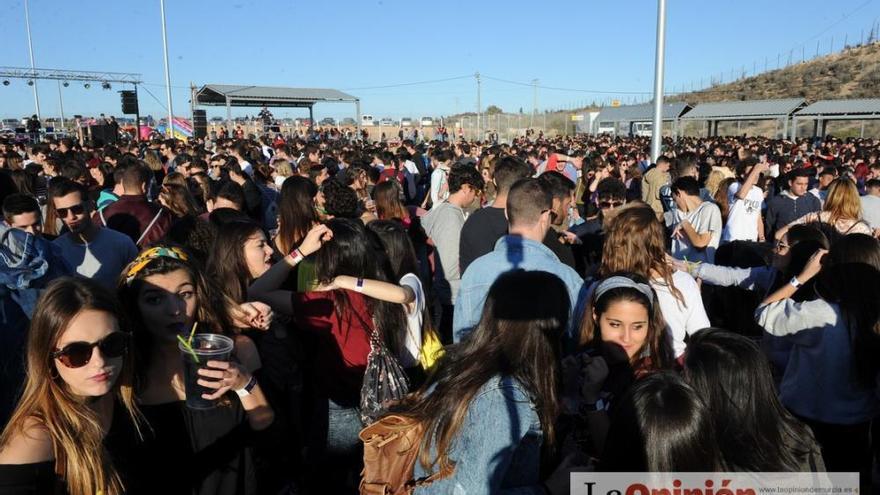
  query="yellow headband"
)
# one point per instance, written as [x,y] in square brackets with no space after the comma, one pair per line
[149,255]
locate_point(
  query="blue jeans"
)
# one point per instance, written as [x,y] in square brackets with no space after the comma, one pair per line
[343,426]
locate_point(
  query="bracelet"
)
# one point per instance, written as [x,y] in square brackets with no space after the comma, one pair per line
[359,285]
[246,390]
[296,256]
[794,282]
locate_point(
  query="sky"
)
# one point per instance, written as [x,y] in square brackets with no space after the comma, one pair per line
[581,51]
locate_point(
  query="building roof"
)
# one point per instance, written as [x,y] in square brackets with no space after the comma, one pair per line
[257,96]
[839,108]
[641,113]
[745,110]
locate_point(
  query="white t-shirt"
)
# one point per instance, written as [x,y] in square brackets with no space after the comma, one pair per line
[871,210]
[682,318]
[742,222]
[102,260]
[411,167]
[705,218]
[414,319]
[439,186]
[247,168]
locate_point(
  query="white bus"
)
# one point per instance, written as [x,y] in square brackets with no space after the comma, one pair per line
[642,129]
[367,120]
[607,128]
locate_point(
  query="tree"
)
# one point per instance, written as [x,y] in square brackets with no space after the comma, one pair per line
[493,110]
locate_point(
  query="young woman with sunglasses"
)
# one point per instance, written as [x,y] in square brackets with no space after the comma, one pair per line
[205,451]
[79,377]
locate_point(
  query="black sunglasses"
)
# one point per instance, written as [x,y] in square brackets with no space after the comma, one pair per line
[610,204]
[78,354]
[75,209]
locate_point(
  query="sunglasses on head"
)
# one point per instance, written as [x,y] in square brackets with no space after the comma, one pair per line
[75,209]
[78,354]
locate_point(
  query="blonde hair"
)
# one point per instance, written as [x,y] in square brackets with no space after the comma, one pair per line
[151,158]
[636,243]
[842,202]
[283,167]
[77,436]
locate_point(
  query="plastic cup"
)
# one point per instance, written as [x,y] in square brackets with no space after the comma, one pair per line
[205,347]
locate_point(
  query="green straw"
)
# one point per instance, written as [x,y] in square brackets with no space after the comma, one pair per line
[187,344]
[191,334]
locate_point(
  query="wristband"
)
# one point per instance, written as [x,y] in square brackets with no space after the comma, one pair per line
[296,256]
[246,390]
[794,282]
[359,285]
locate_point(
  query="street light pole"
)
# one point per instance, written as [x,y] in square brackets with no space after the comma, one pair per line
[61,104]
[169,127]
[657,131]
[27,20]
[479,105]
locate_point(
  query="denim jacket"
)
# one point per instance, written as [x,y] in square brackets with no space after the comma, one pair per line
[498,448]
[27,264]
[511,253]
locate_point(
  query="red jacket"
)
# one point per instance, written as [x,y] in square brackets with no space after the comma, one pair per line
[342,340]
[134,216]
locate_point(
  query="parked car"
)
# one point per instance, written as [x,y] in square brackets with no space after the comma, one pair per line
[328,121]
[406,122]
[427,122]
[386,122]
[367,120]
[348,121]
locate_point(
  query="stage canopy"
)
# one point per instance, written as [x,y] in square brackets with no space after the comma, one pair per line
[228,95]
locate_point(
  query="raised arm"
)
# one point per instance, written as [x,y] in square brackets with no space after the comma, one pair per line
[373,288]
[751,180]
[267,288]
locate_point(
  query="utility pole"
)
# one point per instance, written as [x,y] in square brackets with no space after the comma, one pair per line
[479,104]
[61,104]
[27,20]
[169,127]
[657,130]
[534,102]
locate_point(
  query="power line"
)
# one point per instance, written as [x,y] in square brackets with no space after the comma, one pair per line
[411,83]
[573,90]
[157,99]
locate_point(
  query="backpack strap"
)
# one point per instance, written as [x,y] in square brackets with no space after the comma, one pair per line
[150,226]
[101,215]
[854,225]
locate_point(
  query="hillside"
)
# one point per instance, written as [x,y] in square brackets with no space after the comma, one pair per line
[852,73]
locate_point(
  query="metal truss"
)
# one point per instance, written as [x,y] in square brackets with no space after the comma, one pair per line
[69,75]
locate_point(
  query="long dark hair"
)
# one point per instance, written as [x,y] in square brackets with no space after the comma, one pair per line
[657,353]
[661,425]
[212,307]
[296,212]
[388,204]
[398,247]
[519,335]
[753,429]
[850,278]
[354,252]
[226,264]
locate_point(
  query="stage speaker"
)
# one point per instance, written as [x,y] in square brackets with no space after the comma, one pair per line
[102,134]
[129,102]
[200,124]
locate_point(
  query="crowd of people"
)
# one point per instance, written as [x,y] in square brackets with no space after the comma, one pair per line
[538,307]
